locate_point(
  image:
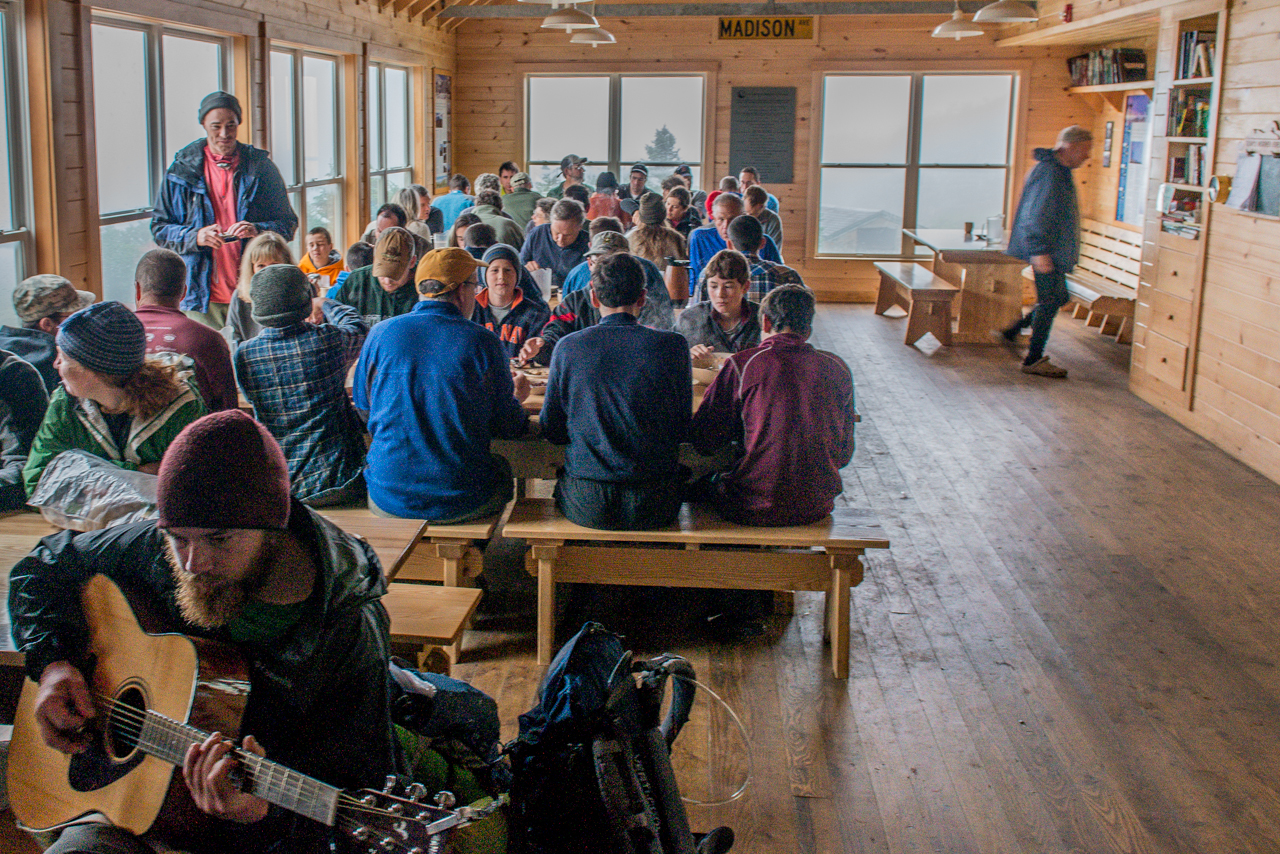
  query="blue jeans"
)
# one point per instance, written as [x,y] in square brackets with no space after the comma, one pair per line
[1051,296]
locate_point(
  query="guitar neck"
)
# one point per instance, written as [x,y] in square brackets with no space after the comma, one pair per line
[169,740]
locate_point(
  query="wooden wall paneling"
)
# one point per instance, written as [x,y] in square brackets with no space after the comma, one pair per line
[355,142]
[79,237]
[251,84]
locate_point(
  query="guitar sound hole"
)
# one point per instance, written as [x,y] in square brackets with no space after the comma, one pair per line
[124,724]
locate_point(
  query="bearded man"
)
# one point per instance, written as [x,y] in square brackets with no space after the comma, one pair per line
[234,558]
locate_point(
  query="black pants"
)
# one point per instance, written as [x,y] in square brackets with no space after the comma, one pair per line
[1051,296]
[611,506]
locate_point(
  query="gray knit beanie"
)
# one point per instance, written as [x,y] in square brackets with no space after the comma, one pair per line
[281,295]
[652,211]
[105,337]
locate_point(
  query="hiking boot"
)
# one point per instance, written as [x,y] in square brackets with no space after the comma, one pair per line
[1010,335]
[1045,368]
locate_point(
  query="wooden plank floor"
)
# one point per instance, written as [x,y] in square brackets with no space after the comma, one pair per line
[1070,646]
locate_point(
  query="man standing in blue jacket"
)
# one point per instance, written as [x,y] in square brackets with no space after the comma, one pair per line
[217,195]
[1046,234]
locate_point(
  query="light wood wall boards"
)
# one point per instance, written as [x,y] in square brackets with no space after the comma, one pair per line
[61,98]
[489,97]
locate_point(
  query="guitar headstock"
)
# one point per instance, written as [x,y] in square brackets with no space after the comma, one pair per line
[398,820]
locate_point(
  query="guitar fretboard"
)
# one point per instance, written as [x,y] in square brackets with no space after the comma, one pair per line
[168,740]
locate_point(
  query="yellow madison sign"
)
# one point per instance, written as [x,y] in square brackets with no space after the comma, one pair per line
[766,28]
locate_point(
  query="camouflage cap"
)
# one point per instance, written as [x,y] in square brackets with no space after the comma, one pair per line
[606,243]
[47,294]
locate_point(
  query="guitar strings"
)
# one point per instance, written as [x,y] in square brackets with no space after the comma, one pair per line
[130,720]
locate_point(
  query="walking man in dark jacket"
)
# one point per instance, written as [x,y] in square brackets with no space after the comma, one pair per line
[217,195]
[232,558]
[1046,234]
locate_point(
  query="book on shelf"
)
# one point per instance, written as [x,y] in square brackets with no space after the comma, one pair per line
[1196,54]
[1107,66]
[1188,113]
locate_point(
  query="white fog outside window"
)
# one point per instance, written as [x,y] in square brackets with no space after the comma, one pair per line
[655,119]
[17,249]
[938,155]
[305,139]
[148,80]
[390,133]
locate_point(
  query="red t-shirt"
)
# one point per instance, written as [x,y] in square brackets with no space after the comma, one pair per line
[171,331]
[219,176]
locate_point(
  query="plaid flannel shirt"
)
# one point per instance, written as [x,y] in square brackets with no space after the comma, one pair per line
[765,276]
[295,377]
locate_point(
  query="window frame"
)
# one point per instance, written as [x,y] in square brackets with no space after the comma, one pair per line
[707,71]
[153,47]
[1015,164]
[13,55]
[377,69]
[298,191]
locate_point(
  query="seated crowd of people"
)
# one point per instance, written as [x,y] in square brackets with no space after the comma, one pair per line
[434,318]
[437,337]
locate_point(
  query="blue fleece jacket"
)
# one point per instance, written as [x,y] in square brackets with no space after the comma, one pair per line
[436,387]
[620,396]
[1047,221]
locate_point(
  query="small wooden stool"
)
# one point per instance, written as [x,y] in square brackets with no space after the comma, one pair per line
[426,616]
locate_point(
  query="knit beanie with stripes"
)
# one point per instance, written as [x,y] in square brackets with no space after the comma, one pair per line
[106,337]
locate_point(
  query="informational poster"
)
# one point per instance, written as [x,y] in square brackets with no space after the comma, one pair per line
[1131,196]
[443,135]
[762,131]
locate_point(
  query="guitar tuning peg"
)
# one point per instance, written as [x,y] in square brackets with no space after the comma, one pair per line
[360,834]
[416,792]
[389,785]
[445,799]
[387,844]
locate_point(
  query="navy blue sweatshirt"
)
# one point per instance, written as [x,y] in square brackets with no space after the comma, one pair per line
[1048,219]
[620,396]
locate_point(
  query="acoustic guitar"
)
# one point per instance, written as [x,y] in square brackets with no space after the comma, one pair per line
[157,695]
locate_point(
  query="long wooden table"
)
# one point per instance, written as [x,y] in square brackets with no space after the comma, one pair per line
[990,281]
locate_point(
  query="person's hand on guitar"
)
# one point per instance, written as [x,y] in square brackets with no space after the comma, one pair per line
[209,769]
[63,706]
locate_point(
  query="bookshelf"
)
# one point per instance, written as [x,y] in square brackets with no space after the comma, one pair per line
[1184,139]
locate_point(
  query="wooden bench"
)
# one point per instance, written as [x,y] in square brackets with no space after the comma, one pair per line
[701,550]
[423,617]
[925,297]
[1104,284]
[426,618]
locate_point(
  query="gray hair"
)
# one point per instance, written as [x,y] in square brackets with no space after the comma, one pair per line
[567,210]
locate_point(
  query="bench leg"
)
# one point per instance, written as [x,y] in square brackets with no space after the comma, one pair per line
[846,572]
[928,316]
[546,558]
[1124,334]
[885,298]
[452,555]
[1111,325]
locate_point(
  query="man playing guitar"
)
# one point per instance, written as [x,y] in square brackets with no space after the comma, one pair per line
[233,558]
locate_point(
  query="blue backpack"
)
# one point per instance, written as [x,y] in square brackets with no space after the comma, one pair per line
[591,767]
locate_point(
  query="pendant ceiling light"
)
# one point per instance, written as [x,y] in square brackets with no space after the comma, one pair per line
[568,19]
[1006,12]
[593,36]
[957,28]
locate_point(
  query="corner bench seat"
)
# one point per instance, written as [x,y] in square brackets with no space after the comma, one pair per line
[701,550]
[1104,285]
[924,296]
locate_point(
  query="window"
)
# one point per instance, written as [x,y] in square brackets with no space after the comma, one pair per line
[304,138]
[156,77]
[936,156]
[16,250]
[390,133]
[656,120]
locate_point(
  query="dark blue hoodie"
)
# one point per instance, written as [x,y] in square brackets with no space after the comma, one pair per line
[1048,218]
